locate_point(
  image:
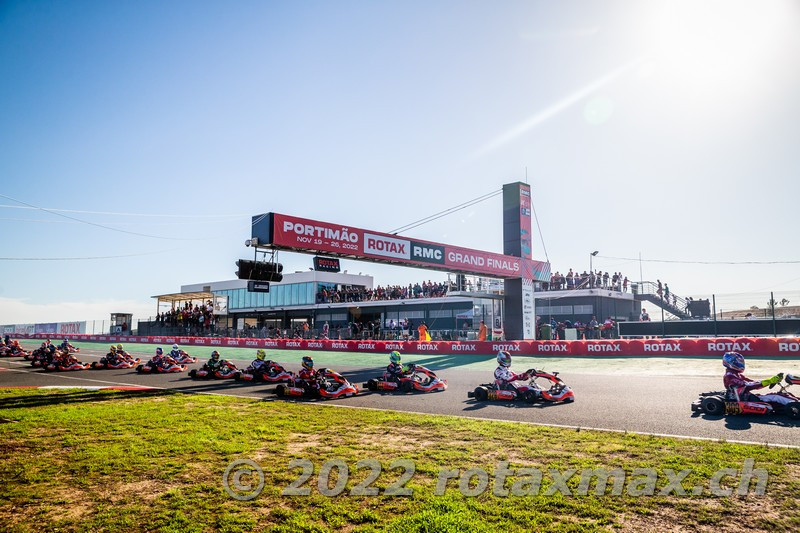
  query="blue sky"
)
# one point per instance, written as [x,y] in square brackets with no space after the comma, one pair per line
[666,128]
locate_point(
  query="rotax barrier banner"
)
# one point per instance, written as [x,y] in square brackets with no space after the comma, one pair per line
[755,346]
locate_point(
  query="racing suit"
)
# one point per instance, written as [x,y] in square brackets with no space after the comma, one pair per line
[741,385]
[111,358]
[176,354]
[260,367]
[308,378]
[504,378]
[394,372]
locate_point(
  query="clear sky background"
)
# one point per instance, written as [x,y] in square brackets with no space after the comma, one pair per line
[668,129]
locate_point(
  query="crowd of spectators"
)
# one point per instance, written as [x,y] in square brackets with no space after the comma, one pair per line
[192,318]
[586,280]
[427,289]
[589,330]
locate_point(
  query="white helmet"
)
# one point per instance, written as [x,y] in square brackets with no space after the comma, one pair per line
[504,359]
[174,346]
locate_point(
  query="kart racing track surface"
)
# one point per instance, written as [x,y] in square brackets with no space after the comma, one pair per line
[643,395]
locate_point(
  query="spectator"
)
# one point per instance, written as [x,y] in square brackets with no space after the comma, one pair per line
[482,331]
[644,316]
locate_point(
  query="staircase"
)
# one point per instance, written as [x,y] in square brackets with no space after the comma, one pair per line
[647,291]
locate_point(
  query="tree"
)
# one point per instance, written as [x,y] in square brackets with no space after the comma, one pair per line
[784,302]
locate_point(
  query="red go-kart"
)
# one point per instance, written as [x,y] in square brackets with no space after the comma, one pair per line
[65,365]
[167,366]
[558,392]
[329,385]
[226,370]
[274,373]
[185,359]
[417,378]
[107,364]
[730,403]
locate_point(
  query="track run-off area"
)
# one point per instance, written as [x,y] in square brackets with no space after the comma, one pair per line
[650,395]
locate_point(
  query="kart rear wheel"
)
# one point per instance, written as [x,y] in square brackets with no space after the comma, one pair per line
[481,394]
[530,396]
[406,386]
[193,373]
[793,410]
[713,406]
[372,384]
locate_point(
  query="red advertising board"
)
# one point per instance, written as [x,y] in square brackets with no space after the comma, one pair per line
[757,346]
[312,236]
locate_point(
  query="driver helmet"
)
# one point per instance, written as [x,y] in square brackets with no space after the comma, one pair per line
[734,361]
[215,355]
[175,347]
[159,351]
[113,348]
[119,347]
[65,339]
[44,345]
[308,362]
[504,359]
[260,355]
[394,357]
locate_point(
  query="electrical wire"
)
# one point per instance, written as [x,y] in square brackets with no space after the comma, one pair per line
[83,258]
[446,212]
[100,225]
[168,215]
[701,262]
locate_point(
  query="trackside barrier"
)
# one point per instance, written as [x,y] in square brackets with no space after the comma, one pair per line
[761,346]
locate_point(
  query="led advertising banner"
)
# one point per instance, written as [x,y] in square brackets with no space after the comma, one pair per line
[312,236]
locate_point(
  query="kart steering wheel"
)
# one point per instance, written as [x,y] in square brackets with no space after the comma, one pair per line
[773,384]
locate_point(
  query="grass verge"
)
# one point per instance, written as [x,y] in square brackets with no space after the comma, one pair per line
[120,461]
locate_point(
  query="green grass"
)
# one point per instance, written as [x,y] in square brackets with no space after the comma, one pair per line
[117,461]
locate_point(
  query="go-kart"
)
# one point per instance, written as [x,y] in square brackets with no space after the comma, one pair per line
[108,364]
[68,365]
[37,353]
[558,392]
[417,378]
[167,367]
[184,358]
[42,358]
[273,374]
[328,385]
[730,403]
[226,370]
[15,350]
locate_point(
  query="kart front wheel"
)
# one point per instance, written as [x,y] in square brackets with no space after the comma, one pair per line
[280,391]
[481,394]
[793,410]
[713,406]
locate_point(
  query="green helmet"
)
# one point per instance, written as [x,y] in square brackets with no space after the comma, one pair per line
[394,357]
[260,355]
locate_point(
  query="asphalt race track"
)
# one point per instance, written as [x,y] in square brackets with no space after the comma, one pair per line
[658,404]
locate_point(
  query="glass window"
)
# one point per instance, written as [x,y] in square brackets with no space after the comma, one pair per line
[281,291]
[248,296]
[311,296]
[261,298]
[295,294]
